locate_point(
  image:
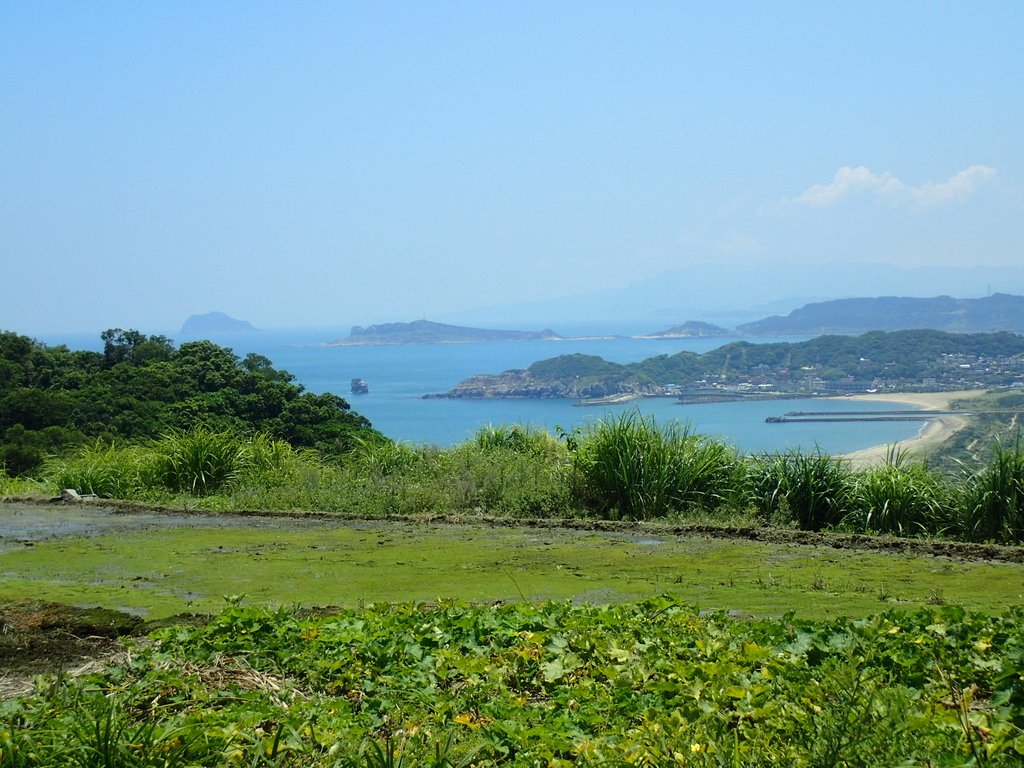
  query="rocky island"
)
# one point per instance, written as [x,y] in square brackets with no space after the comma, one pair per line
[213,324]
[427,332]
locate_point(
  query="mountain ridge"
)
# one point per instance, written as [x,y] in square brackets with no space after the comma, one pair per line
[996,312]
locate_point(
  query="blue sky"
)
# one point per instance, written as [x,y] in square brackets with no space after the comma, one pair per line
[334,163]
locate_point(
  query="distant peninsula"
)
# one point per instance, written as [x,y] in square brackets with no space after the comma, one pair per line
[998,312]
[214,323]
[924,360]
[427,332]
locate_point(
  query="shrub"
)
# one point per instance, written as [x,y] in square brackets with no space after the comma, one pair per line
[900,498]
[994,499]
[634,468]
[106,470]
[812,490]
[199,460]
[516,438]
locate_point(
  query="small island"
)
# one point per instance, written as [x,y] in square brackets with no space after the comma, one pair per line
[213,324]
[427,332]
[691,329]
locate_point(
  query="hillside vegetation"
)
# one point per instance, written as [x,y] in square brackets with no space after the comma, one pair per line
[995,421]
[893,360]
[53,399]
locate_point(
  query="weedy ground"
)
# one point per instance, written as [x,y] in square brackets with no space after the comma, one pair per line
[191,563]
[653,683]
[665,646]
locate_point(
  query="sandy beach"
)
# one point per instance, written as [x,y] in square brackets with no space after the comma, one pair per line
[934,432]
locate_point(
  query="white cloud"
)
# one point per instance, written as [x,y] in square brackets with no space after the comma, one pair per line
[861,180]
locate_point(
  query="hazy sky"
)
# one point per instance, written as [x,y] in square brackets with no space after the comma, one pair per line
[300,163]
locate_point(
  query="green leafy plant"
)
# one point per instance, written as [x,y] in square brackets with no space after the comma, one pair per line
[450,685]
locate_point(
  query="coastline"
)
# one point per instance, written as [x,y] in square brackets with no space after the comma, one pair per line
[934,432]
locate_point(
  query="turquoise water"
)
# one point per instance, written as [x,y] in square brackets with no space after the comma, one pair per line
[398,377]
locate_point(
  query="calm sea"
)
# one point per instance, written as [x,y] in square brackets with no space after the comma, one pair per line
[398,376]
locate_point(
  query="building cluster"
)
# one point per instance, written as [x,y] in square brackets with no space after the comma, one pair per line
[946,373]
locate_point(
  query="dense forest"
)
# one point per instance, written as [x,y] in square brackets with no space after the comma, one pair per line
[139,386]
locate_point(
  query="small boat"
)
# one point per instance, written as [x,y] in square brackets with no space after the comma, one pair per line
[360,387]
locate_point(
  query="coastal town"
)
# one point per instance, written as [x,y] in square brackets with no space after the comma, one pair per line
[742,371]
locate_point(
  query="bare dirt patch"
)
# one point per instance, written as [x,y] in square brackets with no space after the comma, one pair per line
[39,637]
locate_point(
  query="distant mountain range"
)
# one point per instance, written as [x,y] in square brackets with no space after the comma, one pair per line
[213,324]
[732,293]
[427,332]
[998,312]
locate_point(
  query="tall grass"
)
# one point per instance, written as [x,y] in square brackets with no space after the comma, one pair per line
[105,469]
[374,456]
[994,499]
[516,438]
[633,468]
[200,460]
[517,480]
[17,486]
[813,490]
[901,498]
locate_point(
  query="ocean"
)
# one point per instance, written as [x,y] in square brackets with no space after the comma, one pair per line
[398,377]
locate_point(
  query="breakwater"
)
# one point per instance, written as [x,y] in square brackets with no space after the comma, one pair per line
[924,416]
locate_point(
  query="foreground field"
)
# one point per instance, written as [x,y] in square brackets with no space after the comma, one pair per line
[663,647]
[653,683]
[161,564]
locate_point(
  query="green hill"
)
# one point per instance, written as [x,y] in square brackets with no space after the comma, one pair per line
[899,359]
[427,332]
[54,398]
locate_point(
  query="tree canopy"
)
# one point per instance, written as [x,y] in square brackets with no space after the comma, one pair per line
[139,386]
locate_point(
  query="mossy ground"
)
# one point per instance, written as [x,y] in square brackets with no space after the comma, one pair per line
[190,568]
